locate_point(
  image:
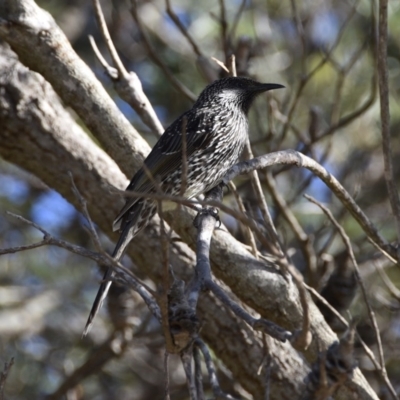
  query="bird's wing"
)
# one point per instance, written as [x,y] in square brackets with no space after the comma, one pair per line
[166,155]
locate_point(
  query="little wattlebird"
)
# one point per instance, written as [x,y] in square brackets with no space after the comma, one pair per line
[215,129]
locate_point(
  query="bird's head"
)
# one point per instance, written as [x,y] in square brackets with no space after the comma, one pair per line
[235,92]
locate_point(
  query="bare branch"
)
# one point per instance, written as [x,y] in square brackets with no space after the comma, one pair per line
[221,64]
[385,116]
[304,240]
[386,280]
[166,376]
[186,357]
[291,157]
[236,20]
[262,203]
[101,258]
[247,231]
[153,54]
[127,84]
[122,72]
[224,32]
[218,393]
[198,375]
[182,28]
[4,375]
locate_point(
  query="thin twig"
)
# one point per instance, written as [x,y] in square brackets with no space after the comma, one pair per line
[300,34]
[110,70]
[302,338]
[342,74]
[304,240]
[83,205]
[236,20]
[232,65]
[107,38]
[186,357]
[4,375]
[182,28]
[247,231]
[163,299]
[101,258]
[155,57]
[127,85]
[184,157]
[305,79]
[217,391]
[262,203]
[367,350]
[385,116]
[11,250]
[386,280]
[267,377]
[221,64]
[385,253]
[198,376]
[166,376]
[224,29]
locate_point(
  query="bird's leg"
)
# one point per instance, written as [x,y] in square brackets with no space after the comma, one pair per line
[207,211]
[215,194]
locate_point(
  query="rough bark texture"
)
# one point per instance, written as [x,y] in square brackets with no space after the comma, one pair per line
[26,27]
[41,137]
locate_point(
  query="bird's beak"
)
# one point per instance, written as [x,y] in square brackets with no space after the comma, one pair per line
[264,87]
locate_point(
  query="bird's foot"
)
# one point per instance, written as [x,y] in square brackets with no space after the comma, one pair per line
[207,211]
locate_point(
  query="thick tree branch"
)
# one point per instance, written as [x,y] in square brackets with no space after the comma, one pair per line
[25,27]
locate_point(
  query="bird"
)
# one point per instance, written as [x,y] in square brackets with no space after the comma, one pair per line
[215,131]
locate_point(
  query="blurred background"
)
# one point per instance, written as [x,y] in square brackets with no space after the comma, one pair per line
[324,53]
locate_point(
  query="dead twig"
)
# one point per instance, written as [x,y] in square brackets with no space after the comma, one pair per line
[182,28]
[155,57]
[248,233]
[4,375]
[385,116]
[198,375]
[217,391]
[100,258]
[304,239]
[127,84]
[166,376]
[122,72]
[186,357]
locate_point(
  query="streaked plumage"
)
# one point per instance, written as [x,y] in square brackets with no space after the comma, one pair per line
[216,131]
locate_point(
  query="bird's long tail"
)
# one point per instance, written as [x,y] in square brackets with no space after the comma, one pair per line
[123,241]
